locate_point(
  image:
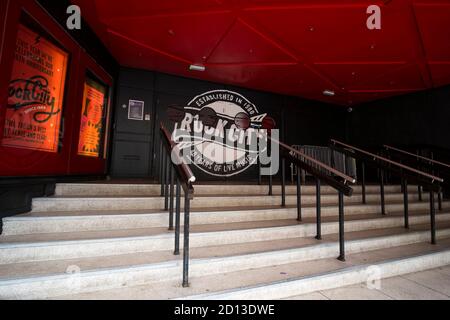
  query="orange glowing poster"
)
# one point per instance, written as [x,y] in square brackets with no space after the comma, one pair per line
[36,92]
[92,119]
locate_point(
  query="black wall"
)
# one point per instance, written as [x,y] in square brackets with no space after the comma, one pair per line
[421,118]
[136,145]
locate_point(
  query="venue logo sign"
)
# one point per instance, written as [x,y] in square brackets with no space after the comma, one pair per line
[222,133]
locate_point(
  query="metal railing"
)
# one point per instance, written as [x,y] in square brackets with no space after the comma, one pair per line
[175,175]
[406,173]
[337,160]
[418,157]
[322,173]
[430,165]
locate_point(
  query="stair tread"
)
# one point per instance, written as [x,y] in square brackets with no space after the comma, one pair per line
[90,213]
[42,268]
[261,276]
[213,195]
[146,232]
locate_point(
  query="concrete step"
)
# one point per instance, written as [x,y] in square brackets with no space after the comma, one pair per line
[333,279]
[217,251]
[53,204]
[235,285]
[53,283]
[64,222]
[130,190]
[48,247]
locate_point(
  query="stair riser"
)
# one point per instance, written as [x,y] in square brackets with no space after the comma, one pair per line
[48,287]
[83,249]
[89,190]
[21,226]
[86,204]
[333,280]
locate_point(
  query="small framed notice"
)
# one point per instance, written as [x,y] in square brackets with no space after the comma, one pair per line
[136,110]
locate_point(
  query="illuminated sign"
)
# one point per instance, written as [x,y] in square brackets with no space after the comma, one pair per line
[92,119]
[35,95]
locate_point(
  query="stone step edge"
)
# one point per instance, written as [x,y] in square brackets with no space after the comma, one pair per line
[67,250]
[215,196]
[218,186]
[445,216]
[171,271]
[230,210]
[332,280]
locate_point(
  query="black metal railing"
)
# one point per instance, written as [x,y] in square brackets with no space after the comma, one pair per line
[407,175]
[322,173]
[429,165]
[175,175]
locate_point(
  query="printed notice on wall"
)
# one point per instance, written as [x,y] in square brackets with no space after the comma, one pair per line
[92,115]
[35,95]
[136,110]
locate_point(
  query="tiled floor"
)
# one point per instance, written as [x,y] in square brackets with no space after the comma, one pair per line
[428,285]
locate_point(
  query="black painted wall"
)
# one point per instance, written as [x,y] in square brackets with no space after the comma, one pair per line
[421,118]
[417,121]
[136,145]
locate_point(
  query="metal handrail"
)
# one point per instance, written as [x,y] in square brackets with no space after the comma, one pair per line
[417,156]
[318,163]
[176,174]
[189,177]
[309,164]
[406,173]
[399,165]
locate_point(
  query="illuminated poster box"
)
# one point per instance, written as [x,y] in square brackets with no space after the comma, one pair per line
[92,115]
[36,93]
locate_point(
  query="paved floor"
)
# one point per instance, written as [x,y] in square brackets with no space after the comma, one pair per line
[428,285]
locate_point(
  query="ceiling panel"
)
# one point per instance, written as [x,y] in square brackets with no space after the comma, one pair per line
[178,37]
[434,22]
[441,73]
[253,48]
[295,47]
[350,74]
[338,33]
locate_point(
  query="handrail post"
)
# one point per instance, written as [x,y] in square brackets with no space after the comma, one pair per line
[363,177]
[161,170]
[163,173]
[166,186]
[172,191]
[318,211]
[383,205]
[259,172]
[341,228]
[283,182]
[177,218]
[419,189]
[186,240]
[271,173]
[440,199]
[405,202]
[271,184]
[433,217]
[299,196]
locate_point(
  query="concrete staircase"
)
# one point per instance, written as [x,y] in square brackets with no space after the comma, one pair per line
[110,241]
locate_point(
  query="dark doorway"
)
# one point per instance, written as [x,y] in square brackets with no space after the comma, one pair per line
[133,132]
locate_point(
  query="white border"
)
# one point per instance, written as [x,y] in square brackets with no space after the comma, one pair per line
[143,110]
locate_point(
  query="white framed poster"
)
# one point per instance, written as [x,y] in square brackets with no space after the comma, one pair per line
[136,110]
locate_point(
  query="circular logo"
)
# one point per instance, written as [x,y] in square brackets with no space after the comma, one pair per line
[219,133]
